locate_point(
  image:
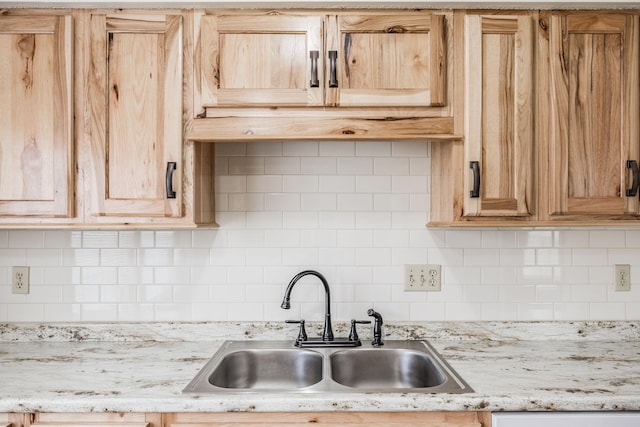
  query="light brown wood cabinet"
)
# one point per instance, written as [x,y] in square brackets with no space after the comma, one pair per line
[93,420]
[36,130]
[127,77]
[261,59]
[356,59]
[11,420]
[300,75]
[135,95]
[298,419]
[499,105]
[593,114]
[136,166]
[572,145]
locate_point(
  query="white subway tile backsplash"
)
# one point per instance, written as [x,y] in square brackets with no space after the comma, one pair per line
[64,312]
[26,239]
[535,311]
[264,183]
[282,166]
[9,257]
[25,312]
[315,202]
[266,150]
[354,211]
[337,148]
[391,166]
[300,184]
[318,166]
[410,149]
[355,165]
[354,202]
[337,184]
[495,311]
[246,166]
[373,148]
[373,184]
[230,149]
[607,239]
[244,202]
[535,239]
[607,311]
[570,311]
[497,239]
[300,148]
[391,202]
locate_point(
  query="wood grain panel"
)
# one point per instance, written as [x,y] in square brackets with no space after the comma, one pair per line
[499,114]
[94,420]
[294,419]
[295,128]
[389,60]
[257,59]
[135,82]
[36,140]
[594,113]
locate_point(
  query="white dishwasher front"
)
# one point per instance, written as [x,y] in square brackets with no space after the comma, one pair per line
[565,419]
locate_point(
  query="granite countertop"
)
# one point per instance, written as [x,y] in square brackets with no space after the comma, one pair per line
[144,367]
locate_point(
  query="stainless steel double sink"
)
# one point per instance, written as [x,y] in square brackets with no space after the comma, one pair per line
[278,366]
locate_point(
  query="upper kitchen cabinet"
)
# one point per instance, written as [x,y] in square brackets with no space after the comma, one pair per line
[266,60]
[36,134]
[593,115]
[288,59]
[134,81]
[385,60]
[499,107]
[489,178]
[300,75]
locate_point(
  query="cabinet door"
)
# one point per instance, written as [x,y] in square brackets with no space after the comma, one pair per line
[11,420]
[94,420]
[260,60]
[36,135]
[135,96]
[386,60]
[594,113]
[498,115]
[353,419]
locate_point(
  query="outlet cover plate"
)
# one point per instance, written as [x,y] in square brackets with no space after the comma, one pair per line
[20,280]
[622,277]
[422,277]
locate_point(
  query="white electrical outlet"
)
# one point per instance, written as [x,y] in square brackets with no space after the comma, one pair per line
[20,280]
[622,277]
[422,277]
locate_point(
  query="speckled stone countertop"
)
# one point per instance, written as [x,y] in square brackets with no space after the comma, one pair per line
[144,367]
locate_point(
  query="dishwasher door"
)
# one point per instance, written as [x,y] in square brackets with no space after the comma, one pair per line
[565,419]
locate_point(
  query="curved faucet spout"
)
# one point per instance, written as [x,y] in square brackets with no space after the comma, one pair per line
[327,334]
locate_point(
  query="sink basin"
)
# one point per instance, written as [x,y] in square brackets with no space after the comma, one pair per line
[385,368]
[278,366]
[273,369]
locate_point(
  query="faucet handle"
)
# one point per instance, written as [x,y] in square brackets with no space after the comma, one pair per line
[302,333]
[353,334]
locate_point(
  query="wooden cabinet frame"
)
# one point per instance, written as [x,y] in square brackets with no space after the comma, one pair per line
[594,62]
[37,145]
[499,106]
[343,419]
[417,112]
[565,115]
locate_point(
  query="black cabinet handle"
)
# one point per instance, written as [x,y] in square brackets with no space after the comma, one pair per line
[633,165]
[314,82]
[168,180]
[475,191]
[333,72]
